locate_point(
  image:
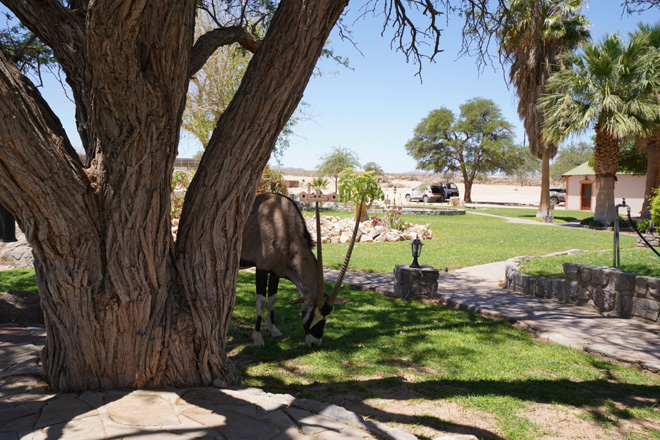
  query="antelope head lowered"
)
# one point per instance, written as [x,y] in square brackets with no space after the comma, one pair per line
[277,242]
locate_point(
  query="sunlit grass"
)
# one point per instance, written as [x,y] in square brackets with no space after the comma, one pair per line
[560,215]
[18,279]
[641,261]
[374,345]
[469,240]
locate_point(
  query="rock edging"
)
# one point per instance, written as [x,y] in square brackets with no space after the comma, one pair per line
[339,230]
[610,291]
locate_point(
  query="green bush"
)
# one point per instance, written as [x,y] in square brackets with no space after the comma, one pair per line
[595,224]
[645,226]
[623,223]
[586,221]
[654,208]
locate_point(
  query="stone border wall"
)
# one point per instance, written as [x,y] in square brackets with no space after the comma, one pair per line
[610,291]
[331,206]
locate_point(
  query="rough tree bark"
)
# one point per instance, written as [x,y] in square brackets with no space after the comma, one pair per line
[544,204]
[606,164]
[125,306]
[652,171]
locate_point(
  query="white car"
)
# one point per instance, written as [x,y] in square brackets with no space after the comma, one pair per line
[426,193]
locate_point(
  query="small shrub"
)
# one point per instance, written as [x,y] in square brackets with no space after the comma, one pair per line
[595,224]
[180,180]
[645,226]
[394,220]
[375,221]
[654,207]
[586,221]
[623,223]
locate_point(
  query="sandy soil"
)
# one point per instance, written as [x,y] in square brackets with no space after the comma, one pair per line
[396,189]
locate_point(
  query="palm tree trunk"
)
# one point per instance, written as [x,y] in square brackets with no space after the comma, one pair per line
[606,163]
[544,204]
[652,170]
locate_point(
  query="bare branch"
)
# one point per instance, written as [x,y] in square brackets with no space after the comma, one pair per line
[409,37]
[632,6]
[56,26]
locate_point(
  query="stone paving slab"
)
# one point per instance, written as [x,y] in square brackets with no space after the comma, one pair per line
[29,412]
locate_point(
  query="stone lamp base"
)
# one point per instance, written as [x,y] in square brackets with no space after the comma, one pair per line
[415,282]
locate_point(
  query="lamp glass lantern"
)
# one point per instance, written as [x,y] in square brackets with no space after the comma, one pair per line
[416,246]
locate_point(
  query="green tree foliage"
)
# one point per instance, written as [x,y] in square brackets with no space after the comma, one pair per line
[606,89]
[568,157]
[213,87]
[373,166]
[479,141]
[648,145]
[633,157]
[337,161]
[526,167]
[24,49]
[358,186]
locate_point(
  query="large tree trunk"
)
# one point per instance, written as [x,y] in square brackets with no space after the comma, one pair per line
[606,163]
[467,182]
[652,171]
[544,204]
[125,307]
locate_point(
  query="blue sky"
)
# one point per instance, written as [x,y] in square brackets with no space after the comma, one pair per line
[374,108]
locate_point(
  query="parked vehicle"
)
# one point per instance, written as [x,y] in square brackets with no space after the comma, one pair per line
[426,193]
[557,195]
[451,190]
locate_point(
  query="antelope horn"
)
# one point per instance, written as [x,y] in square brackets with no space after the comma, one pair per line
[320,292]
[342,272]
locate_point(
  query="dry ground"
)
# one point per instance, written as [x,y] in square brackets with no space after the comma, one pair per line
[395,189]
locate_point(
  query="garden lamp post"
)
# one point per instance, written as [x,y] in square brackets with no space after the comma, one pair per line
[416,251]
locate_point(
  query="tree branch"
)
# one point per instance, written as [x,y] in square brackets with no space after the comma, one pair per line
[40,174]
[631,6]
[210,41]
[56,26]
[408,37]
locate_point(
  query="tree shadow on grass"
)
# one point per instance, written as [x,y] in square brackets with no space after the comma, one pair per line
[432,372]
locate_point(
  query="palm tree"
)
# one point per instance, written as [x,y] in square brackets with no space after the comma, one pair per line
[606,90]
[534,35]
[649,36]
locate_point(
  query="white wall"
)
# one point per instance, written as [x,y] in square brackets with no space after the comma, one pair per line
[629,187]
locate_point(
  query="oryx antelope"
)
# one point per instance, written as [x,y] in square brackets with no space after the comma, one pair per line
[276,241]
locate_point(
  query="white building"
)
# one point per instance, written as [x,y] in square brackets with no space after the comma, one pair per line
[581,190]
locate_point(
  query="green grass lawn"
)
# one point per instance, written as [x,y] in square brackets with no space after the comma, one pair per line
[380,355]
[18,279]
[414,353]
[468,240]
[560,215]
[641,261]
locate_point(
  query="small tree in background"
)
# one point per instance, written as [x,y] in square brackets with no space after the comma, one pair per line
[356,185]
[479,141]
[525,166]
[568,157]
[319,183]
[336,161]
[373,166]
[272,181]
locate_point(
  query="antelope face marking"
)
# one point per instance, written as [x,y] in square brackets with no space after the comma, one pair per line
[314,318]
